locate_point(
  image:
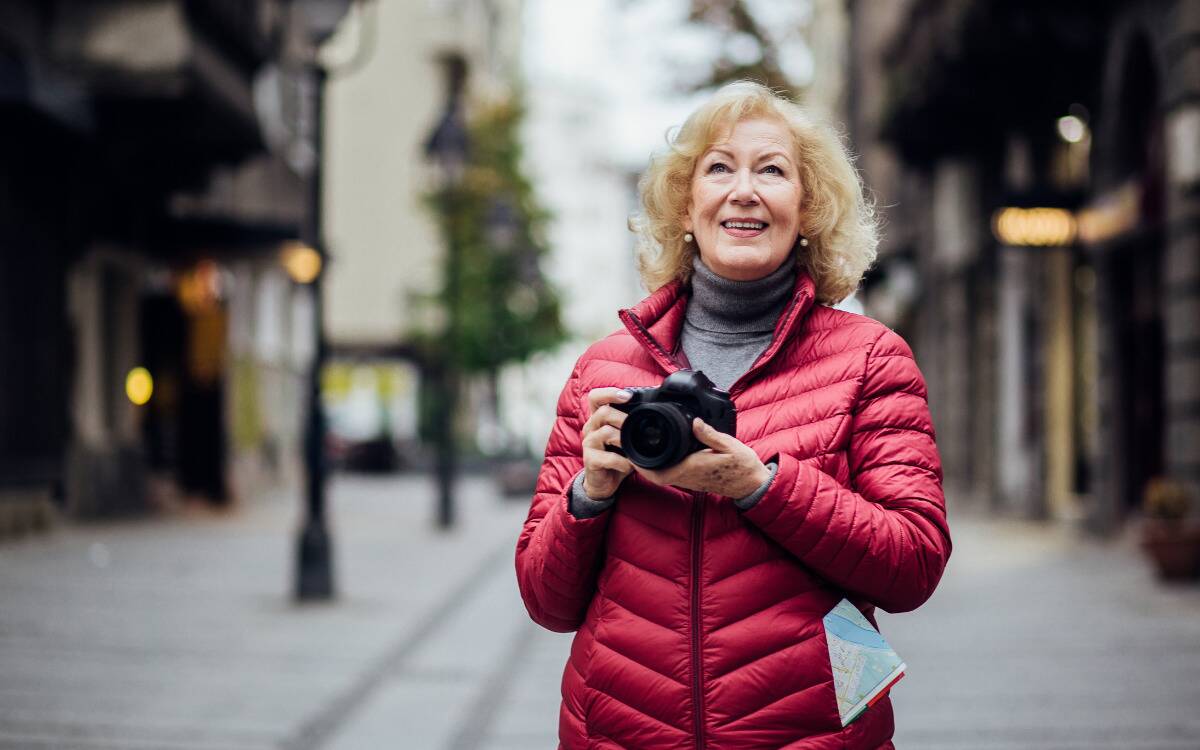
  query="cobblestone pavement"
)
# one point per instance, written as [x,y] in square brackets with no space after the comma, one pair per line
[178,634]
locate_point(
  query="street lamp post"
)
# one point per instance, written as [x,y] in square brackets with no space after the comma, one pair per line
[314,557]
[501,230]
[447,149]
[314,575]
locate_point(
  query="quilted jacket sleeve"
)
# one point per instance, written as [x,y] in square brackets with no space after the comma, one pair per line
[558,554]
[885,538]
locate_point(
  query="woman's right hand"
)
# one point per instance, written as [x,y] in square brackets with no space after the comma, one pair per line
[604,470]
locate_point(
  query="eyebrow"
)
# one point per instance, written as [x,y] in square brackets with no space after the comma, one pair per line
[763,157]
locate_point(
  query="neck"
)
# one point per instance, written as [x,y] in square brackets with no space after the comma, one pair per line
[720,304]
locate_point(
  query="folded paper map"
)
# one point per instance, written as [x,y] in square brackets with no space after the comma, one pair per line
[864,665]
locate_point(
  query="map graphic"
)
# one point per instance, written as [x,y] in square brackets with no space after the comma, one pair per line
[864,665]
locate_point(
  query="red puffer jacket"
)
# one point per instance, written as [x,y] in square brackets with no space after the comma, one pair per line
[700,626]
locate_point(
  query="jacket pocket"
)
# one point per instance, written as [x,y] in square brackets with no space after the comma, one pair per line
[830,716]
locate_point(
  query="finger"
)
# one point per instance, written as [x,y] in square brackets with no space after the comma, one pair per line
[598,458]
[598,397]
[711,436]
[661,477]
[694,465]
[609,415]
[602,436]
[605,415]
[649,474]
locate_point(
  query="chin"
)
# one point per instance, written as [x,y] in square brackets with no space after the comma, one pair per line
[740,265]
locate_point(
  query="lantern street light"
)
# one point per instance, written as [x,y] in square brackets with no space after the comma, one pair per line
[447,149]
[321,18]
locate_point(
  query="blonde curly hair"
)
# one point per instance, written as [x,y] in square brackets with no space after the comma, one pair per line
[835,215]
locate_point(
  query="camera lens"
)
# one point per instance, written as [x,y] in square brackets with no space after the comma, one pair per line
[652,435]
[656,435]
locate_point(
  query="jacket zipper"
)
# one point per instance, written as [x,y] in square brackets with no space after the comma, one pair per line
[697,668]
[671,363]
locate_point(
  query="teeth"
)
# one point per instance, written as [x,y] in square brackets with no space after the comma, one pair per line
[744,224]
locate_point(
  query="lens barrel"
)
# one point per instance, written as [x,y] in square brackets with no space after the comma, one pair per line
[656,435]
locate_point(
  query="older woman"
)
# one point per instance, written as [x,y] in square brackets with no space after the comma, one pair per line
[698,590]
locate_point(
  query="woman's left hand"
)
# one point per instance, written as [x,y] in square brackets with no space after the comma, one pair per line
[726,467]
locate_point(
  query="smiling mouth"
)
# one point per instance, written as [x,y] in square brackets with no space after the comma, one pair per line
[743,229]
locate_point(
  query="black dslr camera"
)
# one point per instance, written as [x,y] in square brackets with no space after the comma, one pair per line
[658,431]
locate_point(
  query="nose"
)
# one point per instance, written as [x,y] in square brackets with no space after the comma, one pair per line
[743,188]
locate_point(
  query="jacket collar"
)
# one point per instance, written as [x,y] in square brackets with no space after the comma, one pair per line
[656,321]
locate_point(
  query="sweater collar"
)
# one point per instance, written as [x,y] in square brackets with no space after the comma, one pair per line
[657,321]
[726,306]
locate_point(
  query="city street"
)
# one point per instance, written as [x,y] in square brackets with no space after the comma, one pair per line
[178,633]
[241,240]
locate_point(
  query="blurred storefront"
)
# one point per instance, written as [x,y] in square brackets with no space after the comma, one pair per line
[372,406]
[155,329]
[1038,165]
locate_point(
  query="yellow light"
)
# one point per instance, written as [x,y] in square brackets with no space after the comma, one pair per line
[139,386]
[302,263]
[1034,227]
[199,288]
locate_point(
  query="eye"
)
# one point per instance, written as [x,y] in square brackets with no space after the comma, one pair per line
[718,166]
[773,169]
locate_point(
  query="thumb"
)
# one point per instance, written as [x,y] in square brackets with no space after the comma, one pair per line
[709,435]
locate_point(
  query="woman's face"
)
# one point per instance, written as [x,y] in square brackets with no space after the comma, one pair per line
[745,207]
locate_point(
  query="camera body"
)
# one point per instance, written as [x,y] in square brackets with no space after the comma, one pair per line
[657,432]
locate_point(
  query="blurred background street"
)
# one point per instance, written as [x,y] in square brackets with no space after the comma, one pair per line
[288,289]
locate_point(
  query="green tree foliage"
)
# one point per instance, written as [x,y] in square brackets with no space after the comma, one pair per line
[497,306]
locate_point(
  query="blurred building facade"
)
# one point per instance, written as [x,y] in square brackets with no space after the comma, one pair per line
[1059,345]
[390,68]
[155,160]
[387,90]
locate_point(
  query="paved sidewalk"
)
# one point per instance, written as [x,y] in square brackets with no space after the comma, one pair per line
[179,634]
[1039,638]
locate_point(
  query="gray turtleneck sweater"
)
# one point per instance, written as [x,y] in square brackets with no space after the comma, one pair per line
[728,325]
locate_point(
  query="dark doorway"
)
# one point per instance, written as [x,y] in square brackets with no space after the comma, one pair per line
[1139,346]
[1136,283]
[184,427]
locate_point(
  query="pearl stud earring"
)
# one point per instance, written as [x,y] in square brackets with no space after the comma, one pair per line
[803,242]
[687,237]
